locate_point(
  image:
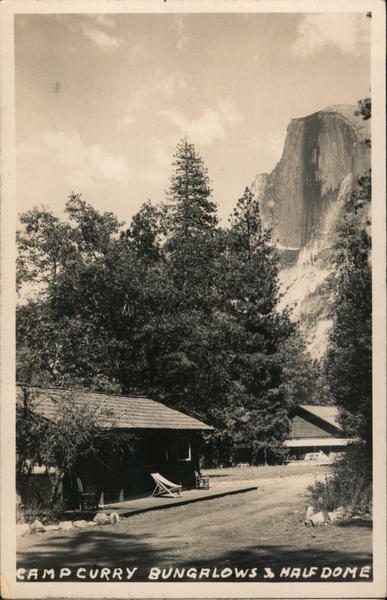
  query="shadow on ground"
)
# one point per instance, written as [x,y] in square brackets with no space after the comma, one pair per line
[106,548]
[367,523]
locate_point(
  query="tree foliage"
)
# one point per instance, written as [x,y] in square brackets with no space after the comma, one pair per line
[348,365]
[347,369]
[262,331]
[174,306]
[78,431]
[192,210]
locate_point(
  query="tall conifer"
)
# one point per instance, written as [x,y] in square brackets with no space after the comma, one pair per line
[254,290]
[192,210]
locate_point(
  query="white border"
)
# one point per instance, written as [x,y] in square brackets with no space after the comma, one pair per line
[10,588]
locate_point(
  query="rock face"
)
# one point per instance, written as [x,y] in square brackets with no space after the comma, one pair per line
[300,201]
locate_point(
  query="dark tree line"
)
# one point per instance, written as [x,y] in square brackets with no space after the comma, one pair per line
[348,365]
[347,368]
[174,306]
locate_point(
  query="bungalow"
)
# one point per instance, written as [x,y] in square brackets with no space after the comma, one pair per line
[315,428]
[164,440]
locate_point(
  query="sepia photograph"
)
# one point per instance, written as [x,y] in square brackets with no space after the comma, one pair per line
[193,302]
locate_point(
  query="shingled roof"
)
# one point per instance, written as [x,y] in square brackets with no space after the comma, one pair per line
[327,413]
[127,412]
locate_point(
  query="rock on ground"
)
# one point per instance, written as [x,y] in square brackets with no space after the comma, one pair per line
[101,519]
[315,520]
[81,524]
[309,512]
[37,526]
[339,513]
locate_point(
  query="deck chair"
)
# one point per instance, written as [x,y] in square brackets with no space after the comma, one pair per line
[163,486]
[88,500]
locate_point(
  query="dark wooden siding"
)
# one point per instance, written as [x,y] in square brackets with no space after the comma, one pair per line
[126,475]
[301,428]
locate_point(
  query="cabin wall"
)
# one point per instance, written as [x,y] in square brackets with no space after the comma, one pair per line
[319,423]
[173,454]
[164,452]
[302,427]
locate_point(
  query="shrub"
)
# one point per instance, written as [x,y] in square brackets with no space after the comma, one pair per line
[34,510]
[349,486]
[78,432]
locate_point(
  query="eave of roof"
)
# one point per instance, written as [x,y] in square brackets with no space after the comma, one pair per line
[127,412]
[314,442]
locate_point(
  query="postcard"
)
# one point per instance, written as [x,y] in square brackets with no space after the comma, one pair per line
[193,303]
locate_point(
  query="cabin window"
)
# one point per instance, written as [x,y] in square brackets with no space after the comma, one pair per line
[183,449]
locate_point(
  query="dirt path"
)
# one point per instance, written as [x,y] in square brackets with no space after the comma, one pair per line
[255,529]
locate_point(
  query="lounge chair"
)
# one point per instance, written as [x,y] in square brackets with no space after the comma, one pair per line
[87,500]
[163,486]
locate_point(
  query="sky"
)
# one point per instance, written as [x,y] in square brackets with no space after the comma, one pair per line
[102,100]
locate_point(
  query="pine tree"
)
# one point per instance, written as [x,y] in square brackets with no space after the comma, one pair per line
[348,366]
[192,210]
[193,239]
[253,288]
[185,339]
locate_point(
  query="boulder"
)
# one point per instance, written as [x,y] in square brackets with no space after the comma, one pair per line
[101,518]
[114,518]
[317,519]
[37,526]
[337,514]
[22,529]
[309,512]
[66,525]
[308,522]
[80,524]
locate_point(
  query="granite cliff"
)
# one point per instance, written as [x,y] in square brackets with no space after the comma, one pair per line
[300,200]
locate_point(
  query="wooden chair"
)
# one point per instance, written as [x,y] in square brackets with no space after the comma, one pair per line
[202,481]
[163,486]
[88,500]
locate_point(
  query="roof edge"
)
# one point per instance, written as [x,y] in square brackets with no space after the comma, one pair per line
[197,425]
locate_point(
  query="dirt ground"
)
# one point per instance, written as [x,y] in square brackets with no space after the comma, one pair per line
[258,529]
